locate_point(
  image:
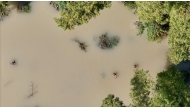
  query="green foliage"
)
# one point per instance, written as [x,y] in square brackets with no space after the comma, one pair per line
[24,6]
[62,4]
[79,13]
[130,4]
[154,11]
[108,42]
[179,33]
[154,32]
[4,11]
[155,15]
[171,89]
[142,83]
[140,27]
[110,101]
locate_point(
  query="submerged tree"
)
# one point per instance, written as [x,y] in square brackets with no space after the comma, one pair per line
[171,89]
[79,13]
[4,11]
[108,42]
[140,27]
[110,101]
[82,45]
[23,6]
[140,92]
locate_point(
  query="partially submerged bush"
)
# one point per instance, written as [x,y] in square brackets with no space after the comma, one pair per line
[140,27]
[4,11]
[155,32]
[82,45]
[23,6]
[108,42]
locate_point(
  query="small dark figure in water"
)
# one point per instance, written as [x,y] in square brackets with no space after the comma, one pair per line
[13,62]
[115,75]
[135,66]
[50,2]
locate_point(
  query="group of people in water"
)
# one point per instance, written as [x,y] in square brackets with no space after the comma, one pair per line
[115,73]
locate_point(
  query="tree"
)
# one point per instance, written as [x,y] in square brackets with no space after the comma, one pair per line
[171,89]
[110,101]
[79,13]
[154,11]
[155,16]
[179,33]
[141,87]
[4,10]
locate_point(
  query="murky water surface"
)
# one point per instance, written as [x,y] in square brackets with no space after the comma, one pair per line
[64,75]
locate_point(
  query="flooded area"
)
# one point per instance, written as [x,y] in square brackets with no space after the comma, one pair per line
[65,75]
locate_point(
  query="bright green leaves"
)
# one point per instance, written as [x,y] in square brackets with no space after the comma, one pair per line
[153,11]
[79,13]
[179,33]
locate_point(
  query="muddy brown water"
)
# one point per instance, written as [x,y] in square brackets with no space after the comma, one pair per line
[65,75]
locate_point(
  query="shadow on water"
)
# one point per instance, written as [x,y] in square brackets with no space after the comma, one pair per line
[184,67]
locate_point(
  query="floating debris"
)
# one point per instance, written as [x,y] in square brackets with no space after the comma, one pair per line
[32,87]
[108,42]
[56,6]
[14,62]
[82,45]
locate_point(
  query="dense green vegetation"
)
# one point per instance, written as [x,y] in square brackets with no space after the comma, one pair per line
[166,18]
[110,101]
[79,13]
[4,11]
[142,83]
[170,90]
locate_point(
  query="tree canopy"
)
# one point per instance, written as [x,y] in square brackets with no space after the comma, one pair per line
[140,92]
[171,89]
[110,101]
[79,13]
[166,18]
[179,33]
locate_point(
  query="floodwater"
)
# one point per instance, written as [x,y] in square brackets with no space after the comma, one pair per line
[65,75]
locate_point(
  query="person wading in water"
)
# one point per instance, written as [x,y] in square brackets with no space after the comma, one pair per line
[13,62]
[115,75]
